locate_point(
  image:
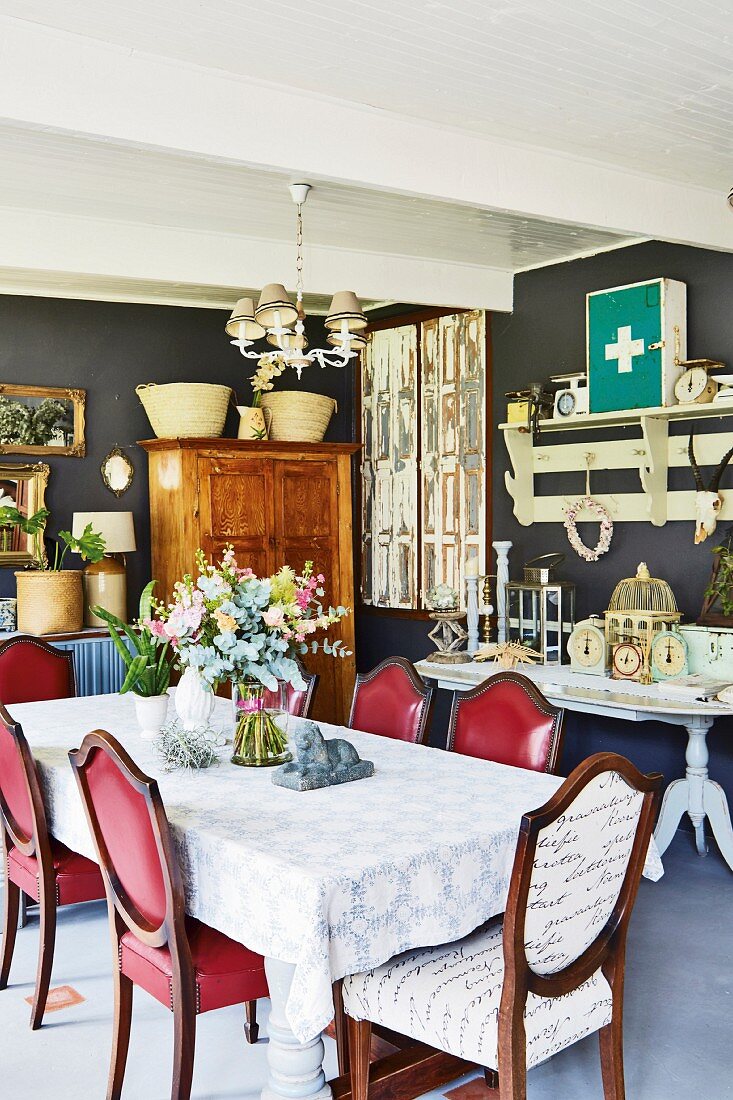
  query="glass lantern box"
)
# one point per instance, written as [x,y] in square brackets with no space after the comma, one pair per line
[541,615]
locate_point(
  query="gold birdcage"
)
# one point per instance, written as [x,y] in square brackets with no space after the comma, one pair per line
[639,608]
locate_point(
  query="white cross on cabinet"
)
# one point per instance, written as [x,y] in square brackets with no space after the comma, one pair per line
[624,350]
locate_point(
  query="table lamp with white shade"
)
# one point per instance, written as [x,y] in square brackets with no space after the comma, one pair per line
[105,581]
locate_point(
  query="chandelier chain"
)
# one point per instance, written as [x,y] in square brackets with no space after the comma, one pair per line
[299,254]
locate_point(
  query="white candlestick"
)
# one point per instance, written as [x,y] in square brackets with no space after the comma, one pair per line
[472,566]
[472,609]
[502,578]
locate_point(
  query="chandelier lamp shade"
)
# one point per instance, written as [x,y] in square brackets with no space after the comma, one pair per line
[276,319]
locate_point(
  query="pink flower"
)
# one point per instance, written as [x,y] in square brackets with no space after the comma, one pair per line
[321,579]
[274,616]
[155,626]
[300,637]
[303,598]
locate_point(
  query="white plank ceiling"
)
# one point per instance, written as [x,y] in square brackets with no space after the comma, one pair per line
[73,175]
[642,84]
[146,147]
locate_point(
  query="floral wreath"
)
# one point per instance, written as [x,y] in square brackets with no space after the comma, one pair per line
[606,531]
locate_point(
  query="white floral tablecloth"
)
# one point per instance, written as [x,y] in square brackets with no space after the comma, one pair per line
[335,881]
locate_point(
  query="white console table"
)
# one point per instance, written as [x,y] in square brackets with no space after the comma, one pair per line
[696,794]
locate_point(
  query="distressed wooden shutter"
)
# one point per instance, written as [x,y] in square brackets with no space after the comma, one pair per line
[453,354]
[389,468]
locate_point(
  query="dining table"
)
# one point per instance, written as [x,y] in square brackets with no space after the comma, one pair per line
[322,883]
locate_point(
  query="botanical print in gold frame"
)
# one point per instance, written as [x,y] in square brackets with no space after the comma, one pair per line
[22,487]
[41,420]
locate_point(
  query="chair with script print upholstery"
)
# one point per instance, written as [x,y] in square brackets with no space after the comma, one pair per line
[392,701]
[514,992]
[298,703]
[186,965]
[506,719]
[35,863]
[32,670]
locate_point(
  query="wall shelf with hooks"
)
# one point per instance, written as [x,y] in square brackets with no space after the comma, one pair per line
[652,452]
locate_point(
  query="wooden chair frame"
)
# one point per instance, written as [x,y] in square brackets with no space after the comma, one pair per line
[311,683]
[543,705]
[38,844]
[30,639]
[606,952]
[427,693]
[124,915]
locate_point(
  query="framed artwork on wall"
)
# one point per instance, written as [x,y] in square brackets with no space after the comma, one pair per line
[41,420]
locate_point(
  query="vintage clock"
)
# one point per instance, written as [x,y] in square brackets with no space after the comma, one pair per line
[695,387]
[587,648]
[627,661]
[668,656]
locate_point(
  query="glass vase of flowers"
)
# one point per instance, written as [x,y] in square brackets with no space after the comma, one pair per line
[230,625]
[260,724]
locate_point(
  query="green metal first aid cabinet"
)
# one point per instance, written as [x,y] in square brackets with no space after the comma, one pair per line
[634,334]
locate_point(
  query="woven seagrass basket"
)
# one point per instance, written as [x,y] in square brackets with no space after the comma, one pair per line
[182,410]
[50,602]
[298,416]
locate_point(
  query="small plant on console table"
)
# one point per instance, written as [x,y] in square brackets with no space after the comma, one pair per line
[719,592]
[147,663]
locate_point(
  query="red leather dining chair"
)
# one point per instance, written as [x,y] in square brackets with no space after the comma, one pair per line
[35,862]
[32,670]
[186,965]
[298,703]
[508,720]
[392,701]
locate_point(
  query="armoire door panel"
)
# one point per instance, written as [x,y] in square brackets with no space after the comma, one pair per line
[236,502]
[306,499]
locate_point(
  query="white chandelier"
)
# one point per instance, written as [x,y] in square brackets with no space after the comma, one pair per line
[283,324]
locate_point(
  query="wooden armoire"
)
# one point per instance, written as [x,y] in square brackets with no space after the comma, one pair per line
[276,503]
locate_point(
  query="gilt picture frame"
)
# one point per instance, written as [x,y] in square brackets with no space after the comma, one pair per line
[22,486]
[42,420]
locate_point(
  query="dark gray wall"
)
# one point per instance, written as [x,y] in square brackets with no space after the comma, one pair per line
[108,349]
[546,335]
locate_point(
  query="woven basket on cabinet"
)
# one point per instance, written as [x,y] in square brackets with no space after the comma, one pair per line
[50,602]
[184,410]
[298,416]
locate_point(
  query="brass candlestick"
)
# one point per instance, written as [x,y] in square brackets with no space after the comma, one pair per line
[488,609]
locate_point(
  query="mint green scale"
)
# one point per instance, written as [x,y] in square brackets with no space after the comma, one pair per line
[632,344]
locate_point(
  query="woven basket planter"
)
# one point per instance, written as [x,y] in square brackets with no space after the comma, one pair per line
[298,416]
[183,410]
[50,602]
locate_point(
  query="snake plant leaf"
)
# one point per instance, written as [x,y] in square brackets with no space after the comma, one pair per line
[135,670]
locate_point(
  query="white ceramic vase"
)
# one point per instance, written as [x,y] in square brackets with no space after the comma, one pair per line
[151,712]
[194,700]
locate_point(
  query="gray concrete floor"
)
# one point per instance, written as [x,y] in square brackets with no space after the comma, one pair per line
[679,1011]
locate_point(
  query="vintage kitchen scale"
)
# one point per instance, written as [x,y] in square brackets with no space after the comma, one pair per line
[639,609]
[571,395]
[541,609]
[695,386]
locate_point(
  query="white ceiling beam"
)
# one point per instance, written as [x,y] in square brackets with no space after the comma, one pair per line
[54,243]
[52,79]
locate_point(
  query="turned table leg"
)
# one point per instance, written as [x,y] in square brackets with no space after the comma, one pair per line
[698,796]
[295,1068]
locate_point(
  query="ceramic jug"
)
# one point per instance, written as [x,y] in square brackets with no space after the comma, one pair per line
[254,423]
